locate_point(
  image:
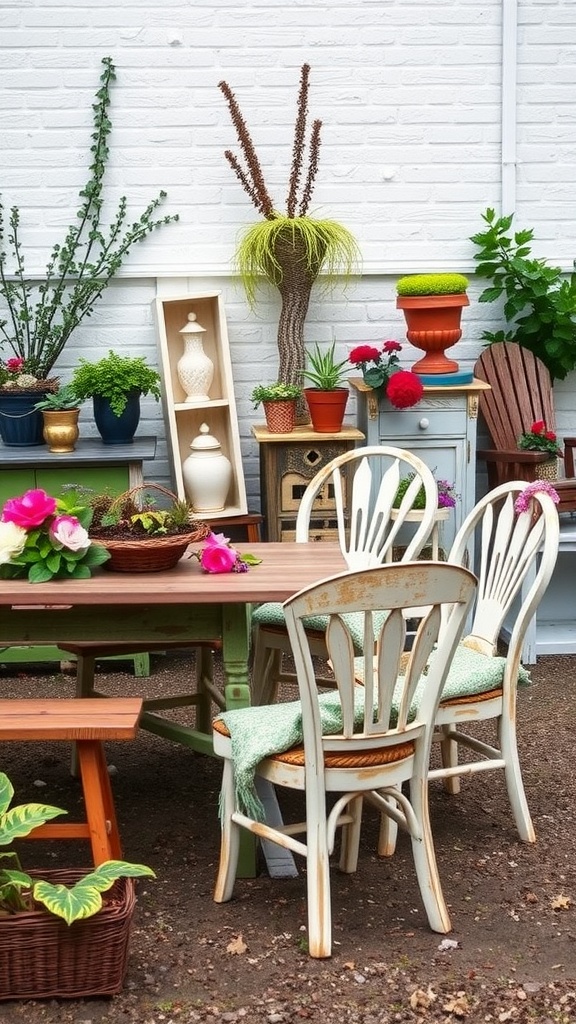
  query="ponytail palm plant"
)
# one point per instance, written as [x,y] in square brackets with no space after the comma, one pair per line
[289,250]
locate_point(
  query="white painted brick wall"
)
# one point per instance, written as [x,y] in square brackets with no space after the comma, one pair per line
[410,97]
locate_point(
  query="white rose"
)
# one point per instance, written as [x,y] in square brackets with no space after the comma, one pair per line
[12,541]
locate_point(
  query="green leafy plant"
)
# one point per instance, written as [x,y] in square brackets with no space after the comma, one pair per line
[56,401]
[432,284]
[277,392]
[447,496]
[289,250]
[325,373]
[20,892]
[114,377]
[42,317]
[540,303]
[137,512]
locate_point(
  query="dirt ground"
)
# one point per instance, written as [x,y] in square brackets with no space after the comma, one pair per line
[513,906]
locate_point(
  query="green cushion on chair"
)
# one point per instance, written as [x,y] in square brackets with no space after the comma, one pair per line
[271,614]
[470,673]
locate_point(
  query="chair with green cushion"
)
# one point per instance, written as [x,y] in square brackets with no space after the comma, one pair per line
[363,483]
[516,557]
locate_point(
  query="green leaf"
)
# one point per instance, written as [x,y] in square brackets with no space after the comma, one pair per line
[6,792]
[39,573]
[23,819]
[71,904]
[110,870]
[250,559]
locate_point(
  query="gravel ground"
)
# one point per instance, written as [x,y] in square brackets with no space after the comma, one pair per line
[513,952]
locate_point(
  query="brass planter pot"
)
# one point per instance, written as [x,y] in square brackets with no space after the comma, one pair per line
[61,429]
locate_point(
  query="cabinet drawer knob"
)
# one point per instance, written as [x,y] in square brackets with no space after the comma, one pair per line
[424,423]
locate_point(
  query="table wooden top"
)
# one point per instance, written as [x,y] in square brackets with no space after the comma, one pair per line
[285,568]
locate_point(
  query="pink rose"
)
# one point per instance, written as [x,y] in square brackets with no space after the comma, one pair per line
[66,532]
[30,510]
[14,364]
[217,555]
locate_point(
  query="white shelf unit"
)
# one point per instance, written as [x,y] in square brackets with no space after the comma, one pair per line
[183,421]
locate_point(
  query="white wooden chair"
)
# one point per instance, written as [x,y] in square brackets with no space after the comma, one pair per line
[364,484]
[353,740]
[481,686]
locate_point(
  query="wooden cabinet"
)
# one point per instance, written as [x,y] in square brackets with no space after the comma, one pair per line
[441,429]
[287,464]
[217,409]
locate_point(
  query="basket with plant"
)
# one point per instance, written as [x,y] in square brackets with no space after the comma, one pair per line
[139,534]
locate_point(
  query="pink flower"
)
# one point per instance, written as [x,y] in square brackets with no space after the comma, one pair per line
[217,555]
[404,389]
[14,364]
[30,510]
[66,532]
[522,503]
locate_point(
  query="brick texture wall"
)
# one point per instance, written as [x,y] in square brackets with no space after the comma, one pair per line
[410,95]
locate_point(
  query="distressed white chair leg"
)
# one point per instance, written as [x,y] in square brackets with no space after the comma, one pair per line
[388,833]
[318,893]
[350,841]
[449,757]
[425,861]
[230,845]
[515,787]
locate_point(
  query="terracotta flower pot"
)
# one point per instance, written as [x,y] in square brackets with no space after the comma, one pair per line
[433,323]
[327,409]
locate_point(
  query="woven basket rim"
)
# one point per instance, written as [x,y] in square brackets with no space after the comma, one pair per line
[137,544]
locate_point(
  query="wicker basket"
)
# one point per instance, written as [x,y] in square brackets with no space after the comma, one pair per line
[149,553]
[42,957]
[547,470]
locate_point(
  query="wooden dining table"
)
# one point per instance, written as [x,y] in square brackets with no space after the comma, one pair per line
[180,605]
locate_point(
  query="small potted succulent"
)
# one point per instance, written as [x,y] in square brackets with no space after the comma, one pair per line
[60,410]
[279,401]
[116,383]
[55,924]
[432,306]
[328,395]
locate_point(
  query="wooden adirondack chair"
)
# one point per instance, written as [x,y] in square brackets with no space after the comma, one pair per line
[521,393]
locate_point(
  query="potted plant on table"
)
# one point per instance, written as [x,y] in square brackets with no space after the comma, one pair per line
[382,372]
[328,396]
[432,306]
[58,935]
[41,317]
[289,250]
[60,410]
[279,401]
[116,383]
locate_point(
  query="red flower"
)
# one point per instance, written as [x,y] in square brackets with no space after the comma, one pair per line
[363,354]
[391,346]
[14,364]
[538,427]
[404,389]
[550,435]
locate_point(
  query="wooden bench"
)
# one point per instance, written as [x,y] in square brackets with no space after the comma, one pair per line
[87,723]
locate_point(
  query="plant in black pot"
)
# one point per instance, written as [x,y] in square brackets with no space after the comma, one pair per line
[38,317]
[59,935]
[328,395]
[116,384]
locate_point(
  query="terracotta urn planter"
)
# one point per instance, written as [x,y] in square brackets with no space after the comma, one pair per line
[433,325]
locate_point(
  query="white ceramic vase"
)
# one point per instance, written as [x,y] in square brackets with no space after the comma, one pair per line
[194,368]
[207,473]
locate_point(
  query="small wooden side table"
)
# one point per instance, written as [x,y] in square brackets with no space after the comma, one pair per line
[287,464]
